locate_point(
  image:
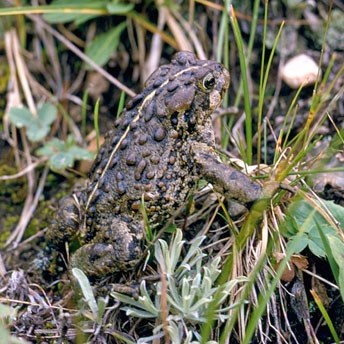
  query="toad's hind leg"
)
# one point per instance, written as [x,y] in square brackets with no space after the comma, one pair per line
[115,248]
[63,228]
[66,223]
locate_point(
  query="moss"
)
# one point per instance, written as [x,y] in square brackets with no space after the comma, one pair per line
[42,218]
[4,77]
[12,196]
[14,190]
[8,223]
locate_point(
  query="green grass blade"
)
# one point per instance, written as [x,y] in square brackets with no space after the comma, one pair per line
[83,113]
[75,9]
[263,84]
[325,315]
[229,326]
[265,297]
[120,104]
[247,100]
[96,121]
[330,258]
[253,32]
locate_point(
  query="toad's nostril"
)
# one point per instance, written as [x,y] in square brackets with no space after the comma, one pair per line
[219,68]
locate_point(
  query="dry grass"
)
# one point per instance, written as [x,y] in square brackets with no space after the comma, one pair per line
[47,63]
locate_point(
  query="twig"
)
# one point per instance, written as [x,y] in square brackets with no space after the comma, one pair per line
[21,73]
[154,56]
[13,98]
[29,303]
[2,267]
[191,33]
[24,171]
[18,74]
[27,213]
[55,79]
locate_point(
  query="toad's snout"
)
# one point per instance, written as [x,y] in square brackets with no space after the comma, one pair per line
[223,80]
[221,86]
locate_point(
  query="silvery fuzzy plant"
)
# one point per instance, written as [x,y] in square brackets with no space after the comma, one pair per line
[190,291]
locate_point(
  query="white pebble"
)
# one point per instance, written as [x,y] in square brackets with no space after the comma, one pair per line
[300,70]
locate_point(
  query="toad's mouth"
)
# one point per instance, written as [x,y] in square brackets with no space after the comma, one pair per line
[215,99]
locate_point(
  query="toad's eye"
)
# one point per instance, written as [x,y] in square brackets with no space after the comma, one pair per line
[208,82]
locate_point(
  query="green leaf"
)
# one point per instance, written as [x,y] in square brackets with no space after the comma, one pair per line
[37,131]
[7,311]
[299,212]
[102,303]
[37,127]
[47,113]
[330,258]
[317,249]
[337,249]
[80,153]
[20,116]
[301,243]
[119,8]
[135,312]
[51,147]
[78,5]
[86,289]
[60,161]
[337,211]
[7,316]
[62,154]
[103,46]
[82,18]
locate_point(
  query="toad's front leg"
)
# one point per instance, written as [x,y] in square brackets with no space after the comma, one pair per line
[226,180]
[118,247]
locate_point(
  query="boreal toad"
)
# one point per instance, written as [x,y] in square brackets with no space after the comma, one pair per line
[162,143]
